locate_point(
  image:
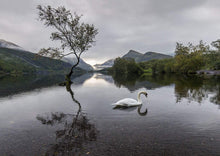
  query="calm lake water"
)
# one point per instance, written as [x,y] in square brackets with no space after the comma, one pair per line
[180,116]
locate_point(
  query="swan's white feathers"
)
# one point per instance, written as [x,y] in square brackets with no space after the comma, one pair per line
[128,102]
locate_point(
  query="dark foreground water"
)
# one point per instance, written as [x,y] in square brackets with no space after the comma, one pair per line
[180,116]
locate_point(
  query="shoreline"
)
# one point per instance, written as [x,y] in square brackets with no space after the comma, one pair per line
[208,72]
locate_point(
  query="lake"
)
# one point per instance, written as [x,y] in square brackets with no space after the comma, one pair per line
[180,116]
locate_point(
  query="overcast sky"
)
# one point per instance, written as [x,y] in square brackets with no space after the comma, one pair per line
[141,25]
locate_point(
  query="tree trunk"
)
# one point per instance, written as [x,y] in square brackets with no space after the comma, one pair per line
[68,76]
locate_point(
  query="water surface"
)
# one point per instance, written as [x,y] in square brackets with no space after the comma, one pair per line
[180,116]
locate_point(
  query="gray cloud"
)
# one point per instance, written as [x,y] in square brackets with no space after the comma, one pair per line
[143,25]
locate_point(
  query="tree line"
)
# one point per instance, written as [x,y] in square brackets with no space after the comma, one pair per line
[187,60]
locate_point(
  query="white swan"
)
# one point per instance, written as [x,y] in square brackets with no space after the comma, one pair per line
[128,102]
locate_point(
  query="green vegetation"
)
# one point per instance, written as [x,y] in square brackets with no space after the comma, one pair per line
[127,67]
[10,64]
[188,59]
[18,62]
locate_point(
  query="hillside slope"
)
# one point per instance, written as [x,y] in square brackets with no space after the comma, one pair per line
[14,58]
[18,61]
[10,63]
[10,45]
[82,64]
[133,54]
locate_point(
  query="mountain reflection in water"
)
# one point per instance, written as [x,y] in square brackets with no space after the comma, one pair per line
[180,116]
[192,88]
[14,85]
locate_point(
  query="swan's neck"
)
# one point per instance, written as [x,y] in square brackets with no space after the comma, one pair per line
[139,97]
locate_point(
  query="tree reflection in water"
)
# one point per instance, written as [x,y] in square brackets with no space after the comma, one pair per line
[75,132]
[192,88]
[198,89]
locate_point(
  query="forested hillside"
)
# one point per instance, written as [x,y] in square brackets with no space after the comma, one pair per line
[14,61]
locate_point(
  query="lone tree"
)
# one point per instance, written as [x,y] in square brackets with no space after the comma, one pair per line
[76,37]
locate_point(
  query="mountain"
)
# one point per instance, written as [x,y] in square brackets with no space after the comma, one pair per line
[138,57]
[106,64]
[82,64]
[152,56]
[14,59]
[10,63]
[17,61]
[132,54]
[10,45]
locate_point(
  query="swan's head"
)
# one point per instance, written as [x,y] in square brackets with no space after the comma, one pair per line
[145,93]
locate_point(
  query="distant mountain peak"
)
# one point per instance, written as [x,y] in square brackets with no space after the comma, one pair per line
[10,45]
[7,42]
[133,52]
[106,64]
[150,52]
[139,57]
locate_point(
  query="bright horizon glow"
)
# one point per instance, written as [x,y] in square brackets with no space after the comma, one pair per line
[93,61]
[93,81]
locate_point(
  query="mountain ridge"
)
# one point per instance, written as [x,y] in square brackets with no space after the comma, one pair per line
[132,54]
[147,56]
[10,45]
[31,62]
[106,64]
[18,62]
[137,56]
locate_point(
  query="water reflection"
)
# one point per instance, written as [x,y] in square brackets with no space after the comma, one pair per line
[129,104]
[192,88]
[75,131]
[129,109]
[198,89]
[13,85]
[171,129]
[136,83]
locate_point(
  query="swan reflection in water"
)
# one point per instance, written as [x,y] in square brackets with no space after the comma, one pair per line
[76,130]
[129,109]
[129,104]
